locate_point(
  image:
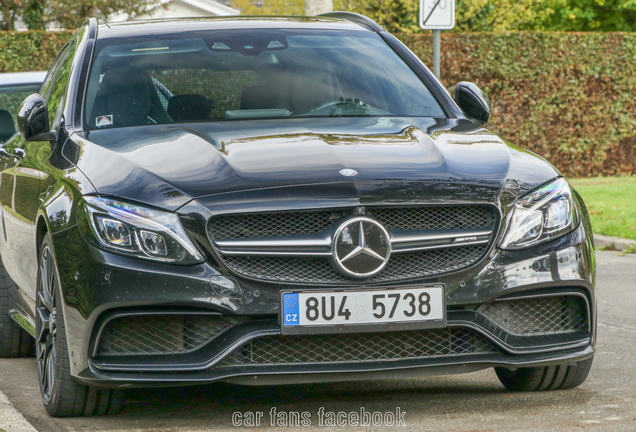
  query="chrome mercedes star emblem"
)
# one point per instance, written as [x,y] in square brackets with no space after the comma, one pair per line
[348,172]
[361,247]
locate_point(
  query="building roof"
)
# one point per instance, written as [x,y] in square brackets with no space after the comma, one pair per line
[211,6]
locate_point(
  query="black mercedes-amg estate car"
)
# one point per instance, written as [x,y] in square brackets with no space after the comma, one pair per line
[278,200]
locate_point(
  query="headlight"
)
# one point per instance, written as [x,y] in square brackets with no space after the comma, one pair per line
[138,231]
[541,216]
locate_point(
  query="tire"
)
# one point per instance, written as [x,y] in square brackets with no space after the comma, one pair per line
[14,340]
[559,377]
[61,394]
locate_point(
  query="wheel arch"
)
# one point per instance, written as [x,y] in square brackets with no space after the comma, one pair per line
[41,229]
[56,212]
[54,216]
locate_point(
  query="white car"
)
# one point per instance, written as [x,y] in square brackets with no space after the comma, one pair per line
[14,87]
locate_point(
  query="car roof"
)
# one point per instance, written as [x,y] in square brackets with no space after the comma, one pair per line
[169,26]
[21,78]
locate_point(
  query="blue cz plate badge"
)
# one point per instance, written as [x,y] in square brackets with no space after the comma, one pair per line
[290,309]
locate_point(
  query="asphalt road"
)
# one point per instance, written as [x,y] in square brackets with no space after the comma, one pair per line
[471,402]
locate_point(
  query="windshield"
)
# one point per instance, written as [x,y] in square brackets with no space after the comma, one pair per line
[247,74]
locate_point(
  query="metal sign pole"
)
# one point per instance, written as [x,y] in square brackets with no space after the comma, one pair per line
[437,36]
[437,15]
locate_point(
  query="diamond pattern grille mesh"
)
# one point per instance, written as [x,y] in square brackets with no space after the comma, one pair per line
[159,334]
[362,347]
[269,224]
[319,271]
[435,218]
[539,316]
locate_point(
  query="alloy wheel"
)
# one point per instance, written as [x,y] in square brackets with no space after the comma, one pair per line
[46,325]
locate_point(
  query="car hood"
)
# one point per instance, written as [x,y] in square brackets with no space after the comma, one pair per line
[169,165]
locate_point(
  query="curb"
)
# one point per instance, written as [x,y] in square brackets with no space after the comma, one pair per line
[615,243]
[10,419]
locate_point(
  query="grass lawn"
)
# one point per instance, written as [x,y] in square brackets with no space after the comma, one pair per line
[611,202]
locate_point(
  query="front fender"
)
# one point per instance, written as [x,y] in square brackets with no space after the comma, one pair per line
[56,212]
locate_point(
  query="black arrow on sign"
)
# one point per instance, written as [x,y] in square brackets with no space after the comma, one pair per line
[431,13]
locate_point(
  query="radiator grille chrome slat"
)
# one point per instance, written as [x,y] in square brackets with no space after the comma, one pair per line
[415,241]
[319,245]
[311,246]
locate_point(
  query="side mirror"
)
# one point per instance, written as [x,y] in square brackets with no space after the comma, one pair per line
[33,119]
[473,102]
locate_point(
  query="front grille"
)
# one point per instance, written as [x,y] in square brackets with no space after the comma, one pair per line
[539,315]
[159,334]
[360,347]
[405,221]
[319,271]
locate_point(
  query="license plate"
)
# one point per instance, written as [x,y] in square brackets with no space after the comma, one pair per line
[355,308]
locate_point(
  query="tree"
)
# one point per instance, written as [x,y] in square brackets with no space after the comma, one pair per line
[10,9]
[590,15]
[471,15]
[500,15]
[398,16]
[270,7]
[478,15]
[70,14]
[33,15]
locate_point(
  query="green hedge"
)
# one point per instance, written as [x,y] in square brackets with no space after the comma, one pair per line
[570,97]
[30,51]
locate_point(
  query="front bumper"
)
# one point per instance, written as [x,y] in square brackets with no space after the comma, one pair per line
[273,375]
[97,284]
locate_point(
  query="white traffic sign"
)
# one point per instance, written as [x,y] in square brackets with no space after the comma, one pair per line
[437,14]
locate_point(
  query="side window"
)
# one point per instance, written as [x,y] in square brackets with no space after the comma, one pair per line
[48,81]
[55,100]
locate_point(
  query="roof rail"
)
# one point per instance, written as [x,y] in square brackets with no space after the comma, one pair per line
[91,23]
[356,18]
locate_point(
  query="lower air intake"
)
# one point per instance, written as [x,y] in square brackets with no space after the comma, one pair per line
[362,347]
[539,315]
[159,334]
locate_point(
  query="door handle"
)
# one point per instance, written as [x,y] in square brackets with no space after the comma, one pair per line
[19,154]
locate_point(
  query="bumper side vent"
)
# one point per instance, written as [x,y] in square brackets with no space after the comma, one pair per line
[159,334]
[540,315]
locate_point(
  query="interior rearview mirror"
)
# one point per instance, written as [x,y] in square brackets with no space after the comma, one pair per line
[33,119]
[473,102]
